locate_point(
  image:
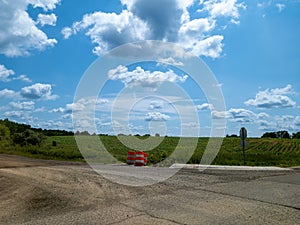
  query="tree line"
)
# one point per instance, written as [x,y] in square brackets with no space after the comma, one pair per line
[277,134]
[281,134]
[24,134]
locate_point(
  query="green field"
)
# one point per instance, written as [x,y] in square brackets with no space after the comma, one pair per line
[259,152]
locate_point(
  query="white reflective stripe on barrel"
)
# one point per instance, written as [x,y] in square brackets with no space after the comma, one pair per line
[139,158]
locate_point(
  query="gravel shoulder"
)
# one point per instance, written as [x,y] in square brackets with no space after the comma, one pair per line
[14,161]
[50,192]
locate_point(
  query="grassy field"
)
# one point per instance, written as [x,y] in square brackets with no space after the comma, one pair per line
[259,152]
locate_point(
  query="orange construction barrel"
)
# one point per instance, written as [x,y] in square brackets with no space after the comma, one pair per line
[145,158]
[130,157]
[139,158]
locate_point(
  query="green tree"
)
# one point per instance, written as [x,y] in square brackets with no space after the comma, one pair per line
[283,134]
[28,137]
[296,135]
[269,135]
[278,134]
[4,136]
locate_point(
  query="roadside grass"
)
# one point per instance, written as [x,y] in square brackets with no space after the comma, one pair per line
[259,152]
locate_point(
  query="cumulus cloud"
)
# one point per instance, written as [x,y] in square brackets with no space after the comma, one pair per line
[23,106]
[140,77]
[267,125]
[165,20]
[38,91]
[219,114]
[51,124]
[44,4]
[239,115]
[6,75]
[210,47]
[19,33]
[6,93]
[78,106]
[193,37]
[223,8]
[156,116]
[205,106]
[49,19]
[170,61]
[14,114]
[23,77]
[273,98]
[283,122]
[108,30]
[196,27]
[162,17]
[67,32]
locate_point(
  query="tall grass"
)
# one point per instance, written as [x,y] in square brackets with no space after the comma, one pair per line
[259,152]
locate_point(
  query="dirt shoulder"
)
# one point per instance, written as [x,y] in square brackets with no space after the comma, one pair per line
[14,161]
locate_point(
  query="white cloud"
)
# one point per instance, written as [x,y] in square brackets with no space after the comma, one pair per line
[193,36]
[5,93]
[58,110]
[5,73]
[205,106]
[297,121]
[196,27]
[45,4]
[128,3]
[273,98]
[156,116]
[67,32]
[170,61]
[38,91]
[156,105]
[15,114]
[108,30]
[267,125]
[80,105]
[140,77]
[262,115]
[56,125]
[219,114]
[23,78]
[45,19]
[280,7]
[24,106]
[283,122]
[239,115]
[209,47]
[19,115]
[165,20]
[184,5]
[41,109]
[282,91]
[18,31]
[223,8]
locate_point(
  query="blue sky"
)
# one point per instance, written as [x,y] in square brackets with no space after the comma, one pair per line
[252,48]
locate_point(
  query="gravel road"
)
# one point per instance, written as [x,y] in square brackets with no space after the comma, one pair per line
[49,192]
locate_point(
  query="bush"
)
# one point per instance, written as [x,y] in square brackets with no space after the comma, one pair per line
[28,137]
[54,144]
